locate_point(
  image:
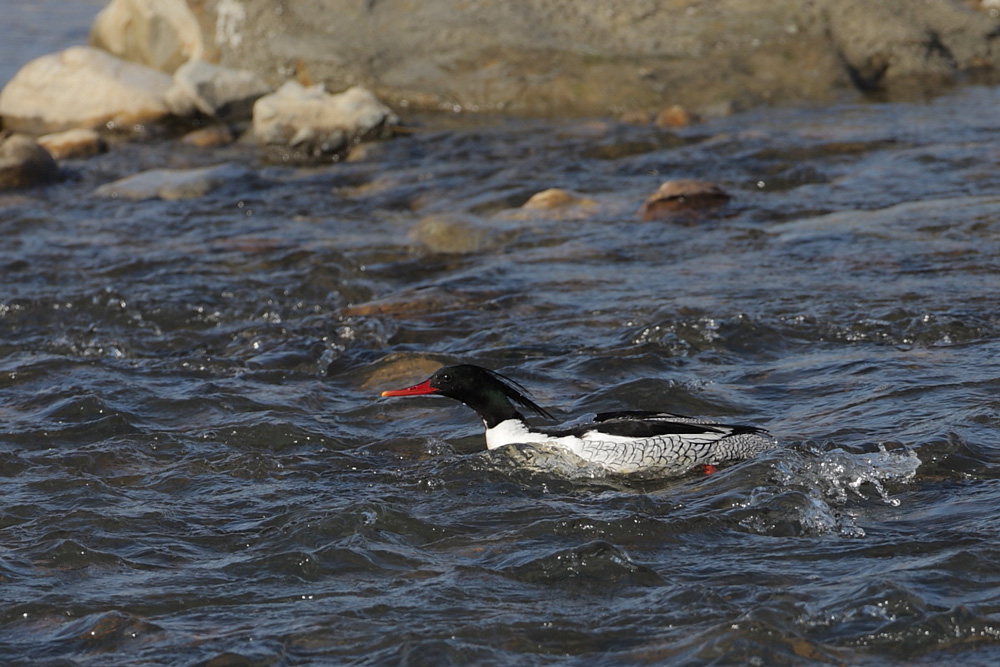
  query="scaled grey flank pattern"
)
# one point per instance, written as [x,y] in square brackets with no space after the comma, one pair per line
[675,453]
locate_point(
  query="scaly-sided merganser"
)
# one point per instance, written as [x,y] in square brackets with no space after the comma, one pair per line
[633,441]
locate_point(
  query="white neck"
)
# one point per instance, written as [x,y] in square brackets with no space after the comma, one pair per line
[509,432]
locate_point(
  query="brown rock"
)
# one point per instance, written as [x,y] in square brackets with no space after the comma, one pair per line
[209,137]
[636,118]
[73,144]
[674,116]
[551,198]
[23,163]
[398,370]
[682,196]
[412,305]
[554,204]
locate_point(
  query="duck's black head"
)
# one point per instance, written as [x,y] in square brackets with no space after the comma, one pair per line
[490,394]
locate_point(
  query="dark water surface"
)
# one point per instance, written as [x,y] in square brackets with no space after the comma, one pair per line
[196,468]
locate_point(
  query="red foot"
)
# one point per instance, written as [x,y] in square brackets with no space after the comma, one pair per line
[708,469]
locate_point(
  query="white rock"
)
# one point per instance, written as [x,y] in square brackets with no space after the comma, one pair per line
[174,183]
[83,87]
[159,33]
[313,119]
[215,91]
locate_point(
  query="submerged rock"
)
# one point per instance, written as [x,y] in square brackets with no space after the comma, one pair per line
[23,163]
[73,144]
[173,183]
[210,136]
[215,91]
[418,304]
[552,198]
[394,371]
[682,196]
[83,87]
[554,204]
[163,34]
[316,122]
[452,234]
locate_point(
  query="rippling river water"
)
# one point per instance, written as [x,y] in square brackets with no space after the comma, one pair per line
[196,468]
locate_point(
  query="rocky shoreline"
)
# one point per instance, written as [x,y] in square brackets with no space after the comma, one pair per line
[597,58]
[249,68]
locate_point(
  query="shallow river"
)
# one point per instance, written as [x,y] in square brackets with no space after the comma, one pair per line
[196,466]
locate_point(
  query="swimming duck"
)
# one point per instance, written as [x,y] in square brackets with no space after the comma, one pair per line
[624,442]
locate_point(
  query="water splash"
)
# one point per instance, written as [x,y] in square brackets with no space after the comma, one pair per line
[825,492]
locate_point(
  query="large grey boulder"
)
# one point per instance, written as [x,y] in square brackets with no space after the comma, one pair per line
[595,56]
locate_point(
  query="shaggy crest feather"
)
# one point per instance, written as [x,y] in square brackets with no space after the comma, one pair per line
[517,393]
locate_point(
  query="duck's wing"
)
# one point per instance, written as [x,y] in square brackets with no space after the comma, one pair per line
[647,424]
[641,424]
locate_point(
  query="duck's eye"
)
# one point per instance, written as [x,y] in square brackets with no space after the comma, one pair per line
[446,378]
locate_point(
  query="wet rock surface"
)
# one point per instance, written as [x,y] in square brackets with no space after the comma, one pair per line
[24,163]
[675,199]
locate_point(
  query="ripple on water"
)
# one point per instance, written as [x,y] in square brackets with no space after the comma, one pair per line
[98,633]
[594,564]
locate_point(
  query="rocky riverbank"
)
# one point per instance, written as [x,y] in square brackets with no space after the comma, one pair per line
[590,57]
[308,81]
